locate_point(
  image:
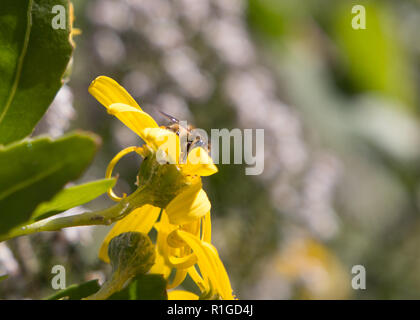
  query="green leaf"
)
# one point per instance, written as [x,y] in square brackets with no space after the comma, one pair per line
[148,287]
[267,16]
[143,287]
[33,59]
[71,197]
[33,171]
[4,277]
[375,57]
[77,291]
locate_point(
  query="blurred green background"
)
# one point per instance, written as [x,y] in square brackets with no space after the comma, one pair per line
[340,109]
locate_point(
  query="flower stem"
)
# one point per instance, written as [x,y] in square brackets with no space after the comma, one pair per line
[111,286]
[101,217]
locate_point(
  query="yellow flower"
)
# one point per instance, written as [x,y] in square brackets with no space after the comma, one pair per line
[318,271]
[183,223]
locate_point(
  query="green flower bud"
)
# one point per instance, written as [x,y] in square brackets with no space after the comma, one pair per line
[131,254]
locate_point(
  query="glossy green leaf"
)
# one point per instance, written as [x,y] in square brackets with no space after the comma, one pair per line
[71,197]
[77,291]
[33,171]
[33,59]
[143,287]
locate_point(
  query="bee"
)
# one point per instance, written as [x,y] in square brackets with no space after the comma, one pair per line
[186,134]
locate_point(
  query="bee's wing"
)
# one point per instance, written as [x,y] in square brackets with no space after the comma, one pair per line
[172,119]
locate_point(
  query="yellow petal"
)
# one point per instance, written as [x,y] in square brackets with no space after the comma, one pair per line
[193,227]
[107,91]
[206,228]
[140,220]
[181,295]
[182,262]
[162,264]
[178,279]
[209,263]
[164,142]
[199,163]
[225,289]
[188,206]
[136,119]
[202,284]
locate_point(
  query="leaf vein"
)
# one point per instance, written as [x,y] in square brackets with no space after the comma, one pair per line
[20,63]
[30,181]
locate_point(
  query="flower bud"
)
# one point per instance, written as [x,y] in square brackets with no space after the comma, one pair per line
[131,253]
